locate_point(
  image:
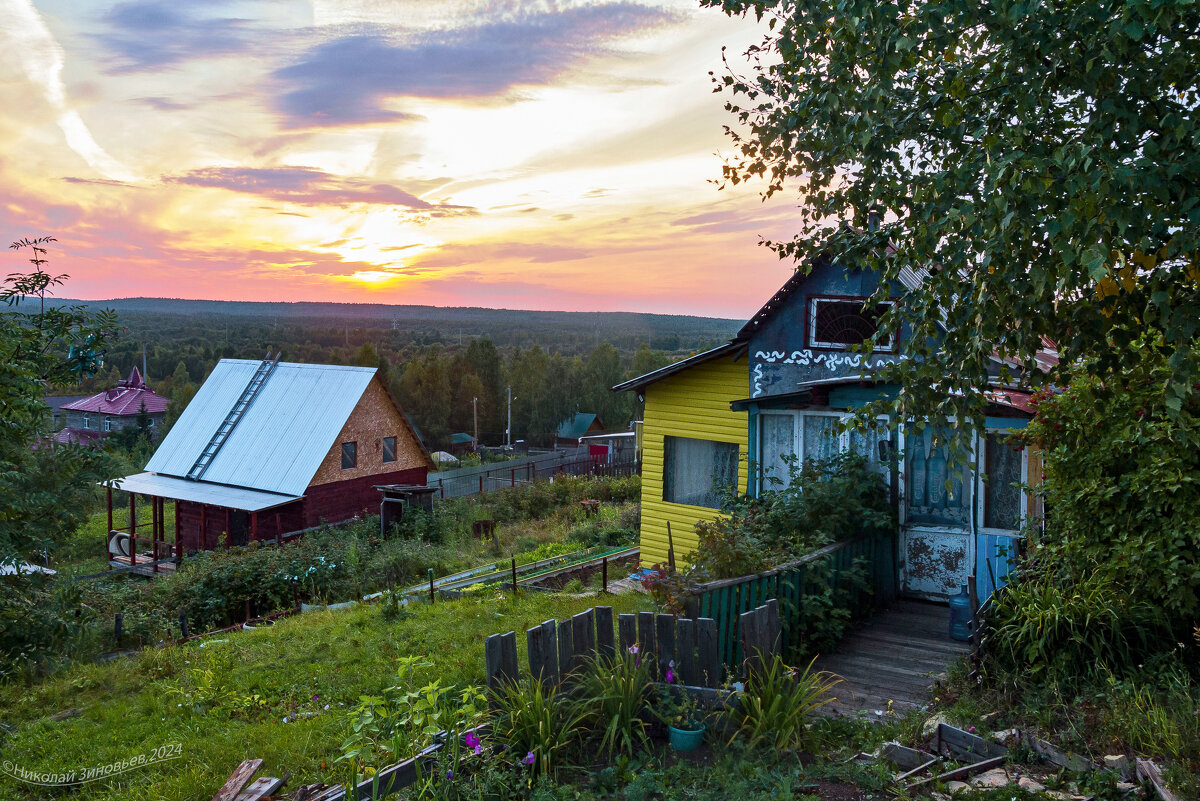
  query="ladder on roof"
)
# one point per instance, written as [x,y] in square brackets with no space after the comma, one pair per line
[235,414]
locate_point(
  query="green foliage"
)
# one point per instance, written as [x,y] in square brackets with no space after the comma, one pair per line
[826,501]
[777,704]
[1041,157]
[1122,481]
[44,490]
[539,719]
[614,692]
[1046,625]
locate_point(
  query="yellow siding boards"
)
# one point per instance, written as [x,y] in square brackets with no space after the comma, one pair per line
[692,403]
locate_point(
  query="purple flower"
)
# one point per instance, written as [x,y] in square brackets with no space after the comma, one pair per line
[478,750]
[633,649]
[471,740]
[528,760]
[670,675]
[449,774]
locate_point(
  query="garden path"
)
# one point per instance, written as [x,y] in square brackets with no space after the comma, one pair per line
[891,662]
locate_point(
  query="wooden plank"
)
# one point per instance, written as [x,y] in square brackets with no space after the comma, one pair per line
[905,758]
[646,638]
[583,634]
[1061,758]
[260,788]
[748,635]
[542,645]
[566,649]
[963,772]
[237,780]
[605,646]
[664,635]
[965,746]
[626,631]
[1147,771]
[774,628]
[924,766]
[708,664]
[685,651]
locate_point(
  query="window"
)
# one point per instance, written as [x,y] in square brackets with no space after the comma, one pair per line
[108,424]
[389,449]
[349,455]
[697,471]
[812,435]
[933,490]
[841,322]
[1001,490]
[87,423]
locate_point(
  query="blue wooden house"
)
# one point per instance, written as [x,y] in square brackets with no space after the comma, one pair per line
[802,380]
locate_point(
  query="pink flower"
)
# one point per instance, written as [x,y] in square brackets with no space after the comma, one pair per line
[528,760]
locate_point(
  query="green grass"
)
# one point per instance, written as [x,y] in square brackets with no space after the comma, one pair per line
[185,695]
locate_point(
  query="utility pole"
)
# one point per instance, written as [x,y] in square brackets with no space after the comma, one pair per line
[508,430]
[475,415]
[144,362]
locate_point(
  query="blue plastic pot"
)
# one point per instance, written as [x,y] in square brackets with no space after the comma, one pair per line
[683,740]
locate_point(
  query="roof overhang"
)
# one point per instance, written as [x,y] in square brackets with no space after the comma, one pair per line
[734,348]
[182,489]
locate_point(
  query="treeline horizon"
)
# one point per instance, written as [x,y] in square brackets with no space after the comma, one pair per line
[557,363]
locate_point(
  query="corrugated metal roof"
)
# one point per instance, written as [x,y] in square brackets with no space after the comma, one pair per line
[182,489]
[576,426]
[281,439]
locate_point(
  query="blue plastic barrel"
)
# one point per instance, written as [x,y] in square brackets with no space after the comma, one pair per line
[960,615]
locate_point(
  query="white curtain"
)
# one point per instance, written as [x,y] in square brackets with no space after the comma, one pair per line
[778,437]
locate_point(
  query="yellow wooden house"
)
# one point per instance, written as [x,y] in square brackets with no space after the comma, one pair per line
[694,447]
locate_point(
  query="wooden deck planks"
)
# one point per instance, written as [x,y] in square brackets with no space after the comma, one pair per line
[888,665]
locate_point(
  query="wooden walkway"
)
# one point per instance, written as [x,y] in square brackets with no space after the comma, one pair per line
[890,663]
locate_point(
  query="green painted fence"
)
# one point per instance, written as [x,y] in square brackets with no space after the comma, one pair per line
[725,600]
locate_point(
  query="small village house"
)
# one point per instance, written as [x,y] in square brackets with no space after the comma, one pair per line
[578,425]
[89,420]
[781,388]
[269,449]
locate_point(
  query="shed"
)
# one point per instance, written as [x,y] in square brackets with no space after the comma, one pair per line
[269,449]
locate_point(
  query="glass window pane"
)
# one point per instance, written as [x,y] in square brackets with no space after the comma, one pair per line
[349,455]
[389,449]
[778,438]
[820,437]
[867,444]
[698,472]
[933,492]
[1002,493]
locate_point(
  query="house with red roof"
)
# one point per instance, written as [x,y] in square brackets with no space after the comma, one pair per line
[89,420]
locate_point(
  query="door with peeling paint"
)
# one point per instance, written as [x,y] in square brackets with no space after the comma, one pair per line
[937,547]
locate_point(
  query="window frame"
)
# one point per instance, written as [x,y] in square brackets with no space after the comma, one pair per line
[810,324]
[107,424]
[384,450]
[981,454]
[353,453]
[797,415]
[667,462]
[86,423]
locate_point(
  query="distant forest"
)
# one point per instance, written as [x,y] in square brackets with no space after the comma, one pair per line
[434,360]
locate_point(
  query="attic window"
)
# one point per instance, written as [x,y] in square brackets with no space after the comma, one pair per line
[841,322]
[349,455]
[389,449]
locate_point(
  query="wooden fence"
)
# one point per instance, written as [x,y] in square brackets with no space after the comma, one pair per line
[726,600]
[557,647]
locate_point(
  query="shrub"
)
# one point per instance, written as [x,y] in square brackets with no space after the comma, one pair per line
[538,719]
[827,501]
[777,703]
[614,692]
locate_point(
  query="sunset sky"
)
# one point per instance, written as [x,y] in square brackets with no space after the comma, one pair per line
[541,155]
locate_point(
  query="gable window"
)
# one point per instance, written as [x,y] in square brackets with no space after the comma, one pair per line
[349,455]
[389,449]
[838,323]
[698,472]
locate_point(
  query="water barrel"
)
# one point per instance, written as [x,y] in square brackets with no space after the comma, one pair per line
[960,616]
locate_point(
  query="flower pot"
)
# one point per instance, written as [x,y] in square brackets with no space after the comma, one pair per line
[684,740]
